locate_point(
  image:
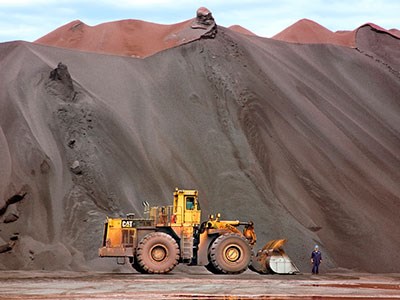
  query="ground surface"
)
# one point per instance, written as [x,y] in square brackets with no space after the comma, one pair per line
[196,285]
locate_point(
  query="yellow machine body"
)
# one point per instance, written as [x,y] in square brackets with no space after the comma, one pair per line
[121,235]
[167,235]
[186,208]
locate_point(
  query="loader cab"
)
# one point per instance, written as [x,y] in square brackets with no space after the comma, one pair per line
[186,207]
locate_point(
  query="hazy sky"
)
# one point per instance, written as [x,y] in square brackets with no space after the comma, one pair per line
[30,19]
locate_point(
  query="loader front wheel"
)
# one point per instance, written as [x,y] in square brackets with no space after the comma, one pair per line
[137,267]
[210,267]
[229,254]
[157,253]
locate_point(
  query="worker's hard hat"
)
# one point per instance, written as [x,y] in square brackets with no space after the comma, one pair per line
[316,247]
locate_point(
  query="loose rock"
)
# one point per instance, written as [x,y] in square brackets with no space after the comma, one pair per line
[12,217]
[14,237]
[4,246]
[76,167]
[204,20]
[60,84]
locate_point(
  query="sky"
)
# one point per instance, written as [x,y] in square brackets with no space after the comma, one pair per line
[31,19]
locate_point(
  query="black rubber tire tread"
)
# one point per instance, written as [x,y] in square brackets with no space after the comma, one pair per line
[224,266]
[143,255]
[137,267]
[210,267]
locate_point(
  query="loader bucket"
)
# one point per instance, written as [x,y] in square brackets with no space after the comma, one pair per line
[272,259]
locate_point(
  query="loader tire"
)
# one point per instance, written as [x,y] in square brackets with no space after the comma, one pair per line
[157,253]
[137,267]
[210,267]
[229,254]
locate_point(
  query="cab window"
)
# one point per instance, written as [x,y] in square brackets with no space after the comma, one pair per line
[189,203]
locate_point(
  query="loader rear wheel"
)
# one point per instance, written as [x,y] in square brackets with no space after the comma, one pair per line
[157,253]
[229,254]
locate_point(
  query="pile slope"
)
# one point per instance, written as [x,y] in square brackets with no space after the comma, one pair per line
[302,139]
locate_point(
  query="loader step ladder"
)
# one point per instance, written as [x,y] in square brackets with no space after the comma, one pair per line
[187,243]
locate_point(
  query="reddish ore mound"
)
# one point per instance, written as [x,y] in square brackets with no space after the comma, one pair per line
[309,32]
[130,37]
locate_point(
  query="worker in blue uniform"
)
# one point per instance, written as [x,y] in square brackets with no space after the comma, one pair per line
[316,259]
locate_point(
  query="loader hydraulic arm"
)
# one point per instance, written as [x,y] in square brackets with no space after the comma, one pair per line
[248,230]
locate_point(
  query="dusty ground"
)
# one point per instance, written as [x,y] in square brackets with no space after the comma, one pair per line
[196,285]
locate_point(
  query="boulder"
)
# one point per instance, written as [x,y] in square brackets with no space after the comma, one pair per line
[11,217]
[76,167]
[14,199]
[4,246]
[60,83]
[204,20]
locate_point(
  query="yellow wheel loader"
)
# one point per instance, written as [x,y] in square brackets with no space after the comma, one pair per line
[168,235]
